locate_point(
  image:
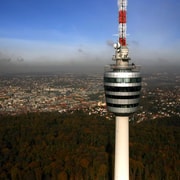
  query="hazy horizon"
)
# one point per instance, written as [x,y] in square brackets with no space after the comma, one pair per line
[45,35]
[19,67]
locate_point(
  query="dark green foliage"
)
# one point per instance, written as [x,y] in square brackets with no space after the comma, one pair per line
[77,146]
[154,145]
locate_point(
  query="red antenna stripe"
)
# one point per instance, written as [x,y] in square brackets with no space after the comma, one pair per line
[122,41]
[122,16]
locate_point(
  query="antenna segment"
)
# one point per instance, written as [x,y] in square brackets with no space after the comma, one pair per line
[122,5]
[122,85]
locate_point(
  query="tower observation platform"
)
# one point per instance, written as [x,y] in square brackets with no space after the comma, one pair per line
[122,86]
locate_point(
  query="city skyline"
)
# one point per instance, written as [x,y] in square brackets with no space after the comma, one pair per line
[47,33]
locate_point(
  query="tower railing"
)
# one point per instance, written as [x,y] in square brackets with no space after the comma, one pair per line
[114,67]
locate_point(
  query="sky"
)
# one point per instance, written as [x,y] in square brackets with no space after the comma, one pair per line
[53,34]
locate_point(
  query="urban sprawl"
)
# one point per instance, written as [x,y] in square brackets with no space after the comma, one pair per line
[68,92]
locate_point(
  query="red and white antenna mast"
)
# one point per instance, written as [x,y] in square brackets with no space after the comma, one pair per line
[122,5]
[121,54]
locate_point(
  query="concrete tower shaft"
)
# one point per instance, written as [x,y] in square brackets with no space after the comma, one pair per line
[122,149]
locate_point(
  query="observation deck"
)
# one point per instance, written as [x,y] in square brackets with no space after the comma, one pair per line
[122,86]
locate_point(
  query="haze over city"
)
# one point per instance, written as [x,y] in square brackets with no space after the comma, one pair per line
[57,35]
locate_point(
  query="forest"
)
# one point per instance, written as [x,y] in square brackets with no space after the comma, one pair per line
[78,146]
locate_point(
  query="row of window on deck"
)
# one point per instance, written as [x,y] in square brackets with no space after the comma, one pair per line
[122,80]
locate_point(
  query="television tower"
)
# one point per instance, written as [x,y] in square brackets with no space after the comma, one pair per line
[122,84]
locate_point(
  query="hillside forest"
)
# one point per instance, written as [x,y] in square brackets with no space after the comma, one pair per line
[78,146]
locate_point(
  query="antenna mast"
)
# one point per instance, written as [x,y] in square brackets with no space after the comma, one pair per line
[121,50]
[122,6]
